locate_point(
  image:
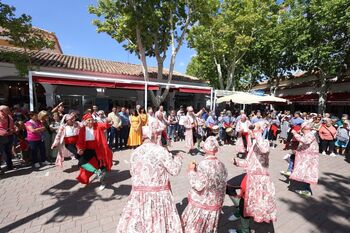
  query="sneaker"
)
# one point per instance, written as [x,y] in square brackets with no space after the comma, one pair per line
[45,163]
[36,165]
[287,158]
[233,218]
[303,193]
[324,153]
[286,173]
[102,187]
[333,155]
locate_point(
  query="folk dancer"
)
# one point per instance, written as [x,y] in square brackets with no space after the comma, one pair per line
[190,124]
[95,157]
[207,192]
[306,159]
[66,139]
[258,201]
[151,206]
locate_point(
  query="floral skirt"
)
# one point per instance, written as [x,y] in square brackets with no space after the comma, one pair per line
[150,212]
[195,220]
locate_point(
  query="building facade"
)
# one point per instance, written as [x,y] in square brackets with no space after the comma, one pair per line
[81,82]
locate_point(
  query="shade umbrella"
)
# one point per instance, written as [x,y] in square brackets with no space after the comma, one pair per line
[241,98]
[269,98]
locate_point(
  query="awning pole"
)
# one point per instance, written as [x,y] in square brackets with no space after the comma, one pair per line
[214,104]
[146,88]
[31,94]
[211,99]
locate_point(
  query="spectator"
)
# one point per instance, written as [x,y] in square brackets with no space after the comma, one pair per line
[6,135]
[125,127]
[54,126]
[172,125]
[21,144]
[135,135]
[328,134]
[35,129]
[60,109]
[94,112]
[114,133]
[342,138]
[43,116]
[143,116]
[101,117]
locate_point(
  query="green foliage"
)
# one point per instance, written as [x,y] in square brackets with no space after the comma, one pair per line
[226,37]
[274,39]
[149,28]
[20,33]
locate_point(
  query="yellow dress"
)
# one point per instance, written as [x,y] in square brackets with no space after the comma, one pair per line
[144,119]
[135,135]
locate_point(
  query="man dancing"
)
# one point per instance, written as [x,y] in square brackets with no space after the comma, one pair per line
[95,157]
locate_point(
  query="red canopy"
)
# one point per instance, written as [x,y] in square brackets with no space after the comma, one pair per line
[91,83]
[194,91]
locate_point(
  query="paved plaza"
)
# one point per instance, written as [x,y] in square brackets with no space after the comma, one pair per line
[51,200]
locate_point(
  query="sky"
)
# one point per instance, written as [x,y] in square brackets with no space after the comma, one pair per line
[72,24]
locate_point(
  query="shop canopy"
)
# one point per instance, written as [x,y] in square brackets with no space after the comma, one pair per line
[73,79]
[247,98]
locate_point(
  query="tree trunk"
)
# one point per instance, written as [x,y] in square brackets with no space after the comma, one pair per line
[230,79]
[322,96]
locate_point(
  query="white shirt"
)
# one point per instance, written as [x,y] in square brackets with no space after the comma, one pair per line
[69,131]
[244,126]
[89,134]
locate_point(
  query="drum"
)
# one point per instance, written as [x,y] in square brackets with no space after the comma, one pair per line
[215,129]
[229,131]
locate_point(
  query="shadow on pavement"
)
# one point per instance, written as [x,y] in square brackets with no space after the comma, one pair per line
[75,203]
[329,213]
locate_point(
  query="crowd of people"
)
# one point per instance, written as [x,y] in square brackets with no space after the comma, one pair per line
[91,139]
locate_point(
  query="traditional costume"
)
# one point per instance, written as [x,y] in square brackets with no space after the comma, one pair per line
[257,189]
[306,159]
[66,139]
[151,206]
[207,193]
[243,138]
[96,156]
[190,126]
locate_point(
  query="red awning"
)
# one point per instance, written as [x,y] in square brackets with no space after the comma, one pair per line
[194,91]
[135,86]
[86,83]
[72,82]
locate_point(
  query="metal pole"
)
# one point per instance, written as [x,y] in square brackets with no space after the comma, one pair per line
[211,99]
[31,93]
[214,104]
[146,87]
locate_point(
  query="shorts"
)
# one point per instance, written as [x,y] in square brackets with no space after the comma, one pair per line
[341,144]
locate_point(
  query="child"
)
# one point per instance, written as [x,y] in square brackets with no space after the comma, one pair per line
[342,138]
[21,145]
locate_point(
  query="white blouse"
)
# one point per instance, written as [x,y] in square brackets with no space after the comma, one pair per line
[89,134]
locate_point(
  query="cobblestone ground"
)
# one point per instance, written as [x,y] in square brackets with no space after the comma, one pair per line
[51,200]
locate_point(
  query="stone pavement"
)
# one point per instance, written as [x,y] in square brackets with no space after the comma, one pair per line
[51,200]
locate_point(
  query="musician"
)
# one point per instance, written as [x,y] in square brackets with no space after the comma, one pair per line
[210,122]
[227,124]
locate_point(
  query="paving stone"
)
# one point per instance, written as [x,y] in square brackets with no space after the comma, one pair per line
[35,202]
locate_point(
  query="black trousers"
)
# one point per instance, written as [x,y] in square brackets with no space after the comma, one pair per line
[72,149]
[328,144]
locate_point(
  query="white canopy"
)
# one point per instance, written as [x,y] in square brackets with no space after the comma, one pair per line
[247,98]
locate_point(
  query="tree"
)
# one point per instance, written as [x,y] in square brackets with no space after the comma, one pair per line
[149,29]
[323,40]
[20,33]
[227,35]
